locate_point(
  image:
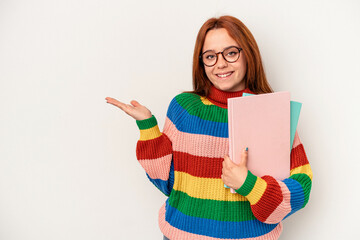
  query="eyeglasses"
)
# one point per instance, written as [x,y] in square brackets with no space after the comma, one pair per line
[230,54]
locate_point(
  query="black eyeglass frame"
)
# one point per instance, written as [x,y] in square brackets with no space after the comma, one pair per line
[222,53]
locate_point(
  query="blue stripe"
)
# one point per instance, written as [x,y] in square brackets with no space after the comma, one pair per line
[185,122]
[296,195]
[214,228]
[162,185]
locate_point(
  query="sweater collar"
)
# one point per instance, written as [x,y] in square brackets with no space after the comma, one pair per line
[219,97]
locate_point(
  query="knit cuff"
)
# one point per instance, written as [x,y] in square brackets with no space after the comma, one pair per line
[148,128]
[147,123]
[248,185]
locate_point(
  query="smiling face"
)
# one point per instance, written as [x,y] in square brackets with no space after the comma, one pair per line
[224,75]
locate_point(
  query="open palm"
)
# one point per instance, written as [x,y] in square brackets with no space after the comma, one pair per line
[135,110]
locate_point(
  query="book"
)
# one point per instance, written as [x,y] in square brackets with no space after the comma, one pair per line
[295,108]
[261,123]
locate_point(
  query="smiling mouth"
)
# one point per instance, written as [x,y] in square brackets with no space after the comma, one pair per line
[224,75]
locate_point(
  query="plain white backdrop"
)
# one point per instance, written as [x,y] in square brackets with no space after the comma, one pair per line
[68,168]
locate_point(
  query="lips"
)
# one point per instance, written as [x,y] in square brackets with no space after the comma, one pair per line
[224,75]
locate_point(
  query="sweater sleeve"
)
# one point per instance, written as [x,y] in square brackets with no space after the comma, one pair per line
[154,152]
[273,200]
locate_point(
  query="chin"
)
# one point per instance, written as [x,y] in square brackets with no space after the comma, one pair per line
[227,88]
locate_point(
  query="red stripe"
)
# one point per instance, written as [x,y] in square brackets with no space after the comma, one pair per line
[269,201]
[205,167]
[298,157]
[154,148]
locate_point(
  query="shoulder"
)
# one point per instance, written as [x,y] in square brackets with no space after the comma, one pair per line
[184,102]
[186,99]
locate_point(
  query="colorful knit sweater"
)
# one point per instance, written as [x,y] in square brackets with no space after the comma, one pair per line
[185,163]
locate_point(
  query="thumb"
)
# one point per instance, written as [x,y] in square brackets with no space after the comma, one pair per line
[135,103]
[244,156]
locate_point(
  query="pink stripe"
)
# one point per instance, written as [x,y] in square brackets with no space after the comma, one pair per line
[169,129]
[196,144]
[177,234]
[297,140]
[284,207]
[158,168]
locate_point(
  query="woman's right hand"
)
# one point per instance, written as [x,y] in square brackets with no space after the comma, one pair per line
[135,110]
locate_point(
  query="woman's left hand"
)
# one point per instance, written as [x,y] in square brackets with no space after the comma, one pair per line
[233,174]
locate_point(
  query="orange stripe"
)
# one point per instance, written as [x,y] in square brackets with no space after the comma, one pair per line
[269,201]
[283,209]
[154,148]
[204,167]
[298,157]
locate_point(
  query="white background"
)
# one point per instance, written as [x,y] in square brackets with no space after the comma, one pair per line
[68,168]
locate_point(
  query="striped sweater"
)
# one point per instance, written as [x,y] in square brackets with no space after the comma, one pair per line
[185,163]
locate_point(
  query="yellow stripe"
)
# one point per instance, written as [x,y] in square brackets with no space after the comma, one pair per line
[150,133]
[258,190]
[306,169]
[204,188]
[206,101]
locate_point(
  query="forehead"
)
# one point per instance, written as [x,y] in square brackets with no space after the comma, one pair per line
[218,39]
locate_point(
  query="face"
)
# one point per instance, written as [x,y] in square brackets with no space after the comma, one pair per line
[223,75]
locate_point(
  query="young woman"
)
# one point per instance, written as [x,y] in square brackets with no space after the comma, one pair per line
[188,161]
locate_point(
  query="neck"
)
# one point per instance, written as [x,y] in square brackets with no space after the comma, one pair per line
[219,97]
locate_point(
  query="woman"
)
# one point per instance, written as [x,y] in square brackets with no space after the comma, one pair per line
[188,161]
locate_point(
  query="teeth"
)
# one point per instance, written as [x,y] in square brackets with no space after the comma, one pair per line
[223,75]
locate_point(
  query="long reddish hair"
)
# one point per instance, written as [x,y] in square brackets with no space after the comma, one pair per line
[255,78]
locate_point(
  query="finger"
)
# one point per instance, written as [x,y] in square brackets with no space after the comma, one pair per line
[135,103]
[116,103]
[223,169]
[125,107]
[227,161]
[223,178]
[227,158]
[244,156]
[109,99]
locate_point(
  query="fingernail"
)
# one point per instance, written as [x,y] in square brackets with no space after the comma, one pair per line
[246,149]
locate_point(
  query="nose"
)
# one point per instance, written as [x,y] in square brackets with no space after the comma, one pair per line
[221,62]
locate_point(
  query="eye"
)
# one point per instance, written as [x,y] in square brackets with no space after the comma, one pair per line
[232,53]
[210,56]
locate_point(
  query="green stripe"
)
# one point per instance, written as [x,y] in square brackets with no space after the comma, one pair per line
[147,123]
[306,183]
[194,106]
[248,185]
[211,209]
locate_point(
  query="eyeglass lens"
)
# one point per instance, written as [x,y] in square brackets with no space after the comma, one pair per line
[231,55]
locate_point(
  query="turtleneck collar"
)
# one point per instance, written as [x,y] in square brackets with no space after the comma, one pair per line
[219,97]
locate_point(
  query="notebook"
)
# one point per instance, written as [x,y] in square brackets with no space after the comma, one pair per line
[261,123]
[295,108]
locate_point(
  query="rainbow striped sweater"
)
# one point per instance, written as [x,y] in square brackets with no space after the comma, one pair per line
[185,163]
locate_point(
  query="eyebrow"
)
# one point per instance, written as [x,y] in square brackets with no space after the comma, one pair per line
[222,50]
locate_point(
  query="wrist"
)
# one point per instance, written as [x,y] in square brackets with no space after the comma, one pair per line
[148,128]
[248,184]
[146,123]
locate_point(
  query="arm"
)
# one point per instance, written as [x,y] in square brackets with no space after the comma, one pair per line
[154,152]
[272,200]
[154,149]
